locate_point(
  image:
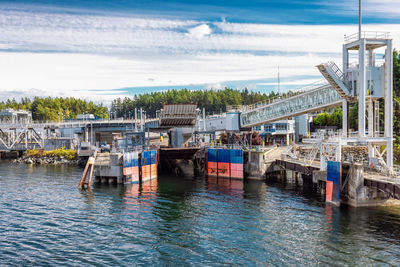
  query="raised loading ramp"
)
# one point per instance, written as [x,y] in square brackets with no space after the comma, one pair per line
[178,115]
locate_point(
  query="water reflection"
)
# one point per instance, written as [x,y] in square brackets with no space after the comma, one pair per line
[140,197]
[231,187]
[88,195]
[45,220]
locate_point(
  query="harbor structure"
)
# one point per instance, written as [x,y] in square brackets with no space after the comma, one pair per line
[341,162]
[12,116]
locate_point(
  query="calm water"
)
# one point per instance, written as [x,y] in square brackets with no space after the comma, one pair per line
[45,220]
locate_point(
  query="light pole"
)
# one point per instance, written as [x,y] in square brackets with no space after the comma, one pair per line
[359,19]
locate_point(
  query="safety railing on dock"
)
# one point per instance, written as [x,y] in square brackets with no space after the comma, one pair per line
[135,148]
[259,148]
[67,124]
[367,35]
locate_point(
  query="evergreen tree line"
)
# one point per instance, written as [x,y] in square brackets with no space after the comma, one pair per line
[214,101]
[56,109]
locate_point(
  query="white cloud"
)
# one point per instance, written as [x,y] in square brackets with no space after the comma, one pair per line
[200,31]
[63,54]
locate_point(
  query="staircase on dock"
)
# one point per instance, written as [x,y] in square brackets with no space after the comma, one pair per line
[336,78]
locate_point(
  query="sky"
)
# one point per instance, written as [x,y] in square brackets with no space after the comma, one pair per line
[100,50]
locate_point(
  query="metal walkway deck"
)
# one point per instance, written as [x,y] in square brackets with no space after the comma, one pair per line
[313,100]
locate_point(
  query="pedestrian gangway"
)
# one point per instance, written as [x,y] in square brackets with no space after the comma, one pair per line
[336,79]
[316,99]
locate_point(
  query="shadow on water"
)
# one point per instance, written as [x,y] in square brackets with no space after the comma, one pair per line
[308,193]
[383,222]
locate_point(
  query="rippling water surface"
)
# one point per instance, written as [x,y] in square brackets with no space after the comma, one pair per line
[46,220]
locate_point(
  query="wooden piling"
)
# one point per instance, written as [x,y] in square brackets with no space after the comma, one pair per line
[83,177]
[88,170]
[91,174]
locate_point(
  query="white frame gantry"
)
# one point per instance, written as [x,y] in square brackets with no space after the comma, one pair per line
[363,43]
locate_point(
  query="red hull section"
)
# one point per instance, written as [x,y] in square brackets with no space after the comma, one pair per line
[212,168]
[153,171]
[223,169]
[226,163]
[236,170]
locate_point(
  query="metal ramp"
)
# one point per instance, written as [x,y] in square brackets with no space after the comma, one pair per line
[336,79]
[178,115]
[310,101]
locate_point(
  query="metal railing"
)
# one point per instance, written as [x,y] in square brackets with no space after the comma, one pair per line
[309,101]
[335,69]
[367,35]
[290,94]
[66,124]
[244,147]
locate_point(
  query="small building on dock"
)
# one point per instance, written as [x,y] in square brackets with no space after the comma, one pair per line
[279,132]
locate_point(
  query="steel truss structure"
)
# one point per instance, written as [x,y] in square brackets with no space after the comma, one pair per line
[20,138]
[314,100]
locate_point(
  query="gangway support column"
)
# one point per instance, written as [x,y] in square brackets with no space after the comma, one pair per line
[370,118]
[371,130]
[345,106]
[361,89]
[345,123]
[389,102]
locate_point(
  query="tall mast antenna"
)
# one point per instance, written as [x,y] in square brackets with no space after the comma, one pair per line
[359,19]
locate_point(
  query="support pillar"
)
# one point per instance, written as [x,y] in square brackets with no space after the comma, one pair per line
[371,151]
[141,119]
[26,138]
[361,89]
[370,118]
[371,130]
[371,58]
[136,120]
[345,65]
[389,103]
[355,190]
[376,118]
[345,112]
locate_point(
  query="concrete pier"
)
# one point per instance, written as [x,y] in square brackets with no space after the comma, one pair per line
[108,167]
[255,166]
[357,189]
[358,192]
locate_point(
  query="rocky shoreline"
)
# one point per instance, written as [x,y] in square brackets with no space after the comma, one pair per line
[47,160]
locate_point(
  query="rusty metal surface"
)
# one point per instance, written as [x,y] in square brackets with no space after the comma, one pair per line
[388,187]
[306,170]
